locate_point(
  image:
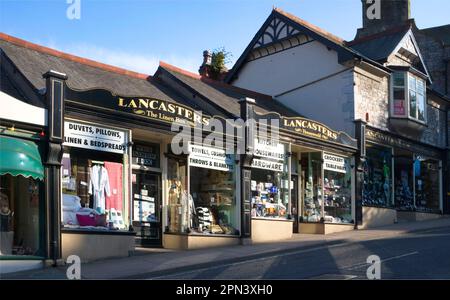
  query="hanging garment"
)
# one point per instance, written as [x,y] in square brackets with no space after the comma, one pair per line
[115,184]
[98,185]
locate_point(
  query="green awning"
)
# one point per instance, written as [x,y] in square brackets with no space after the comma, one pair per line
[20,157]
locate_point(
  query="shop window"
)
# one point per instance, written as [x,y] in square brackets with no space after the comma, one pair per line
[20,216]
[214,201]
[337,189]
[311,166]
[209,205]
[178,214]
[377,189]
[408,96]
[270,181]
[404,190]
[427,184]
[93,190]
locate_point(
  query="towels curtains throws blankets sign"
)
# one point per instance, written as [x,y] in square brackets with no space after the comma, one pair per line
[210,158]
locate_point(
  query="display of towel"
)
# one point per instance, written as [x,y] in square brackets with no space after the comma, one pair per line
[115,171]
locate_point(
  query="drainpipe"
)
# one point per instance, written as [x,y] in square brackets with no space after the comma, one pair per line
[55,84]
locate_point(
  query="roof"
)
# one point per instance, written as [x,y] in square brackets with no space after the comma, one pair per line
[441,33]
[379,46]
[345,53]
[223,95]
[33,61]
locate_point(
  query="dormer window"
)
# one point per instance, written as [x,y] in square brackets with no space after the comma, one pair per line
[408,96]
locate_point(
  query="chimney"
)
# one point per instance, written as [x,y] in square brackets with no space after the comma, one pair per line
[382,15]
[204,69]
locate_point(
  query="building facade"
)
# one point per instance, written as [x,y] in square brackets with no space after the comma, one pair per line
[118,159]
[379,89]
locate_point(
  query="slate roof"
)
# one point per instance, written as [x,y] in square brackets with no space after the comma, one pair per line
[441,33]
[224,95]
[379,46]
[33,61]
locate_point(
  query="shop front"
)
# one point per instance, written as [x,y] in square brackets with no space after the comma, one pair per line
[402,180]
[270,188]
[203,199]
[303,182]
[123,186]
[22,207]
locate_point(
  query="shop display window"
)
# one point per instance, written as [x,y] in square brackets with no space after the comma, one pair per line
[338,194]
[270,194]
[311,166]
[404,190]
[427,184]
[178,214]
[20,216]
[377,188]
[213,204]
[93,190]
[270,181]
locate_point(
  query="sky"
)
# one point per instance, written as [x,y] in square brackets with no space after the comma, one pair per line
[137,34]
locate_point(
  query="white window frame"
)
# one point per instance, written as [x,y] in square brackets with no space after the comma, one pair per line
[407,114]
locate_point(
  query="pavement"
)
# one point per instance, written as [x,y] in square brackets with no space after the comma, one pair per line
[161,263]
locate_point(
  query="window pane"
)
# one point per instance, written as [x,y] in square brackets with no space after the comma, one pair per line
[412,83]
[427,184]
[377,189]
[412,104]
[311,166]
[20,216]
[92,190]
[421,86]
[338,195]
[421,107]
[399,107]
[214,202]
[399,93]
[399,79]
[404,197]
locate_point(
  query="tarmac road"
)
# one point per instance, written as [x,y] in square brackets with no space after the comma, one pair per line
[420,255]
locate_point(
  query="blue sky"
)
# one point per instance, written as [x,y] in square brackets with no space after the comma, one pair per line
[137,34]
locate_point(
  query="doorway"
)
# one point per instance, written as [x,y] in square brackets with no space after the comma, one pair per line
[147,208]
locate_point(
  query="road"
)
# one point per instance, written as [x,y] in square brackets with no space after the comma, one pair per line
[421,255]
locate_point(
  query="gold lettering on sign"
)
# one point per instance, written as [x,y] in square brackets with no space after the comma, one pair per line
[161,110]
[311,128]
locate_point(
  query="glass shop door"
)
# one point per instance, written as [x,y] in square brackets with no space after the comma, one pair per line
[147,208]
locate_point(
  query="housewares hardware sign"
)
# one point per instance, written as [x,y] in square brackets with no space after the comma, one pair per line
[269,155]
[87,136]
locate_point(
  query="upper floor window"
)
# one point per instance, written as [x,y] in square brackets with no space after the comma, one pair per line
[409,94]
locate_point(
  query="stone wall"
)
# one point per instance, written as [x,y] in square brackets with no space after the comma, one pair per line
[434,56]
[372,97]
